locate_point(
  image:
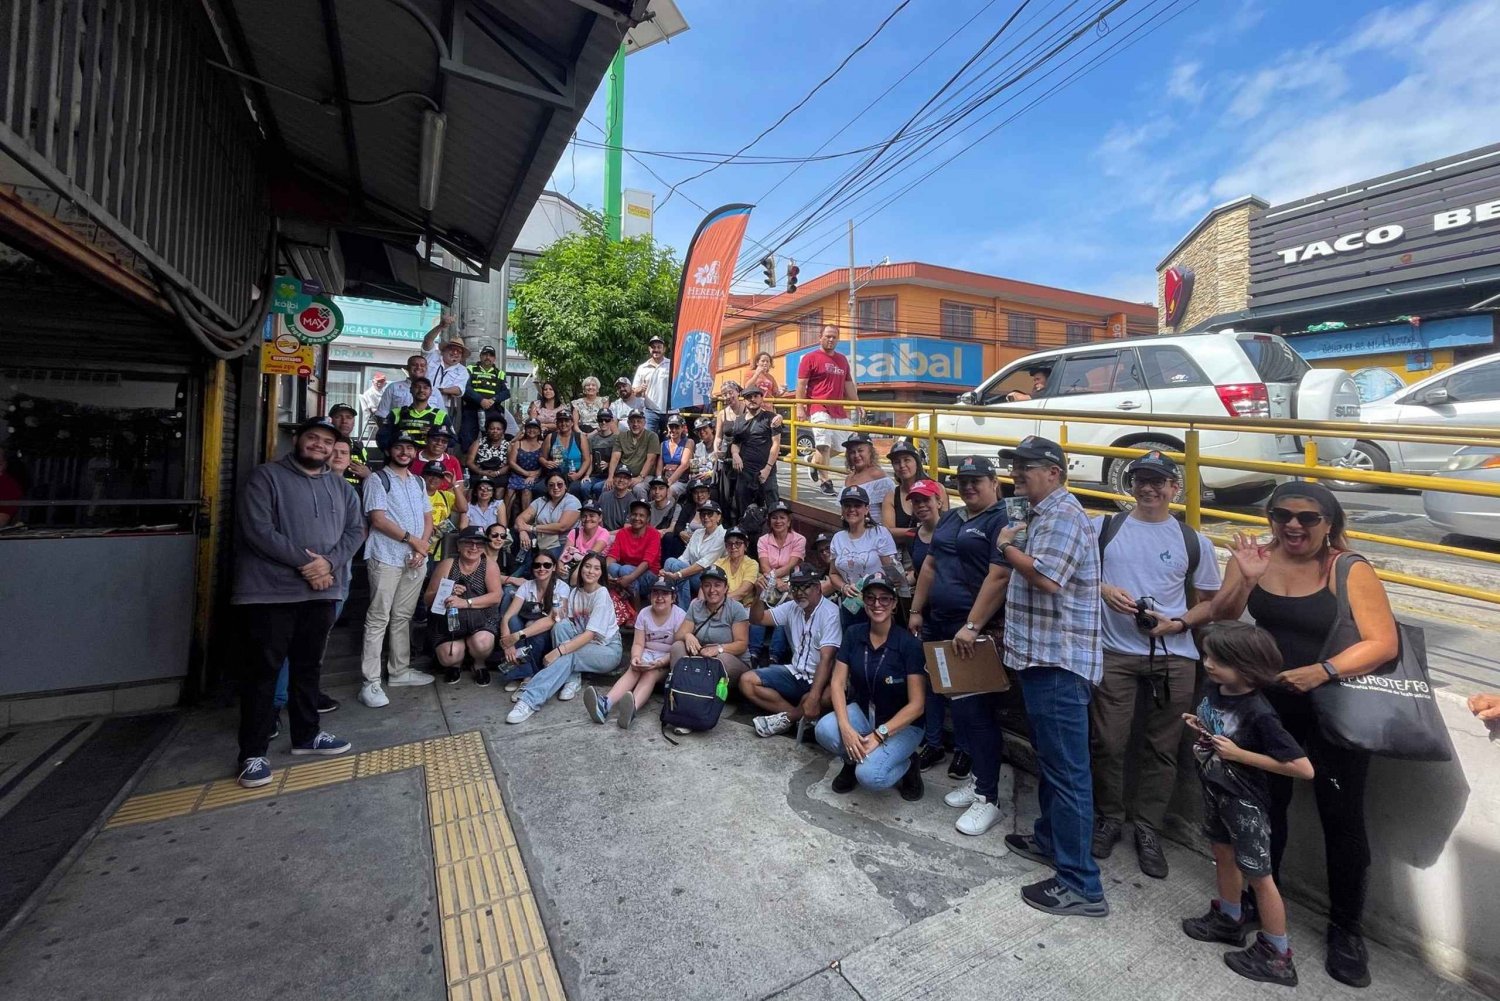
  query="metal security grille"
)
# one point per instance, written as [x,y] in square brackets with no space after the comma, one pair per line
[112,104]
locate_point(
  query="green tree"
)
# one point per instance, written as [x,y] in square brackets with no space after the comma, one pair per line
[587,306]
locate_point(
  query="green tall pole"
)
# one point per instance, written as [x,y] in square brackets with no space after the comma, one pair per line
[614,139]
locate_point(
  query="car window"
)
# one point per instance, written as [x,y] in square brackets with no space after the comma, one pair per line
[1167,366]
[1481,383]
[1273,358]
[1090,373]
[1128,375]
[1019,380]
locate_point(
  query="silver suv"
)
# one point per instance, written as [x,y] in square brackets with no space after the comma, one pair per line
[1226,374]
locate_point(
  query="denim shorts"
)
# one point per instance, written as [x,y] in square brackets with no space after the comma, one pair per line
[783,682]
[1241,823]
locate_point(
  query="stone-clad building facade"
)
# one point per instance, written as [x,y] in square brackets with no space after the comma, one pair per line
[1218,251]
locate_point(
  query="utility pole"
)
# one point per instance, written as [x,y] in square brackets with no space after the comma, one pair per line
[614,140]
[853,315]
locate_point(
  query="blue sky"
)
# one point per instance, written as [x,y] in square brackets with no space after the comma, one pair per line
[1087,189]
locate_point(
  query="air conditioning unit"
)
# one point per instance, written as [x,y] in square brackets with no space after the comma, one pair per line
[314,252]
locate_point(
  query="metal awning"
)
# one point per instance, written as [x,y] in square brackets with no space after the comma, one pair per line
[343,89]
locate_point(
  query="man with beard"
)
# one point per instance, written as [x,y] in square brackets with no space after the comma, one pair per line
[415,420]
[400,517]
[344,417]
[798,690]
[298,528]
[754,450]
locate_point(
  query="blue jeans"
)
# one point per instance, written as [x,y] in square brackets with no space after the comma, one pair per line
[283,677]
[526,666]
[976,730]
[642,586]
[687,587]
[656,422]
[1057,706]
[596,658]
[774,639]
[886,764]
[588,488]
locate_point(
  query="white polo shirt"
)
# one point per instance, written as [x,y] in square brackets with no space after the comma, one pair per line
[809,634]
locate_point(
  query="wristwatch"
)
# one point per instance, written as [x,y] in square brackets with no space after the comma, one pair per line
[881,733]
[971,627]
[1333,672]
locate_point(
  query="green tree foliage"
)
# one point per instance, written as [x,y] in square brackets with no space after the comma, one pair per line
[587,306]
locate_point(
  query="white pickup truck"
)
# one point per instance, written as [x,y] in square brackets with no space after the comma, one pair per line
[1225,374]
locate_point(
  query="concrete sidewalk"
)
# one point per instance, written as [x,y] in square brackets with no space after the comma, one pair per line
[721,868]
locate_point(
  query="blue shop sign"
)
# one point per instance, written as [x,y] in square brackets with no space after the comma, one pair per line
[1396,337]
[924,360]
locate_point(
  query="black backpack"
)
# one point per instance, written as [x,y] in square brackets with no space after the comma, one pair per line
[694,694]
[1111,528]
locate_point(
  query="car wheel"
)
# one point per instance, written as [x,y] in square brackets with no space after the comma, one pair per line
[1367,457]
[1114,477]
[806,445]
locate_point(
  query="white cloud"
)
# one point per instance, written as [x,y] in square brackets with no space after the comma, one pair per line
[1307,73]
[1185,84]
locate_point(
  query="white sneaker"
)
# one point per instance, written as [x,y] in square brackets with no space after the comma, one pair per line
[979,817]
[961,797]
[511,686]
[411,679]
[571,688]
[520,713]
[372,695]
[770,726]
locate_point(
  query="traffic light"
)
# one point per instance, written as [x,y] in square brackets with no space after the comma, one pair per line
[768,263]
[791,277]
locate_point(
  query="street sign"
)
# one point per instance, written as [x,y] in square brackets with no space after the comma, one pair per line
[318,322]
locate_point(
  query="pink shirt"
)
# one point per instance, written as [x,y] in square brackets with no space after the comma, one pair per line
[778,555]
[586,543]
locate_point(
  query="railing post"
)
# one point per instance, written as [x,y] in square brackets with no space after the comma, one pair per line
[1192,481]
[793,459]
[1310,457]
[1062,435]
[932,447]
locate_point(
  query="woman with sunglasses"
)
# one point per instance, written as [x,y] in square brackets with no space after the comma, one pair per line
[566,450]
[656,627]
[526,627]
[476,600]
[879,693]
[588,640]
[485,507]
[861,550]
[1287,586]
[543,526]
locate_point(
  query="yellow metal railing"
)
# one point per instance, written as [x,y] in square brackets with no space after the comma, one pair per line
[1193,463]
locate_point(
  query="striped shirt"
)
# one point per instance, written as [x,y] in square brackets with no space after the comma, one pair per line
[1062,629]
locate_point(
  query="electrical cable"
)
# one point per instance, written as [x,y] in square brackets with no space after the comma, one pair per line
[218,342]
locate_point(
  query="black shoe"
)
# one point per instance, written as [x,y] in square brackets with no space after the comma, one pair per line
[1025,845]
[327,705]
[1262,962]
[481,676]
[910,786]
[844,781]
[275,726]
[960,766]
[1106,833]
[1347,961]
[929,756]
[812,474]
[1215,926]
[453,675]
[1051,896]
[1148,852]
[827,487]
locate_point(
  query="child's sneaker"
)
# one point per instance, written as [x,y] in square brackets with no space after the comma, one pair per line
[1262,962]
[1215,926]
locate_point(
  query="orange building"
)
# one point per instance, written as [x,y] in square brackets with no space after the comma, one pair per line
[926,332]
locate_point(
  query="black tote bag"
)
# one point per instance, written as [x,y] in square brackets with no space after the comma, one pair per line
[1393,710]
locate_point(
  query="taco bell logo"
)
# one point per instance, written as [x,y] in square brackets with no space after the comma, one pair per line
[707,274]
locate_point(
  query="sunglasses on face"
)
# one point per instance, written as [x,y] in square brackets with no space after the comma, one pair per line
[1148,481]
[541,566]
[1307,519]
[880,599]
[804,587]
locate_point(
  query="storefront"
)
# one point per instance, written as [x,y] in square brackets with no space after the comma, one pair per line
[1392,278]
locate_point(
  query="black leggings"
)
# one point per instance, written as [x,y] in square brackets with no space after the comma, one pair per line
[1339,790]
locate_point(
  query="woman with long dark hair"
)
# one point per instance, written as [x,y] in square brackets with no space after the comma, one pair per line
[587,640]
[762,376]
[1288,586]
[526,626]
[544,408]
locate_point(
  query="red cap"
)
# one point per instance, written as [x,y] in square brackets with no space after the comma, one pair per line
[925,488]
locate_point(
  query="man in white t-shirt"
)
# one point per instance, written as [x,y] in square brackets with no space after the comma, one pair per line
[446,369]
[1146,558]
[799,690]
[653,383]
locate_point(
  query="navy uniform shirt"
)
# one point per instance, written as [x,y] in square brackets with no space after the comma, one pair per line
[878,676]
[962,553]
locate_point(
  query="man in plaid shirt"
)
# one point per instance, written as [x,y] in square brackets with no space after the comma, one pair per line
[1052,641]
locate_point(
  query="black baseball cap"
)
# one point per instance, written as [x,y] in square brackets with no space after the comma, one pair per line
[402,439]
[877,580]
[711,507]
[623,470]
[738,533]
[674,419]
[752,389]
[441,431]
[588,506]
[606,414]
[636,412]
[976,465]
[805,573]
[563,412]
[323,423]
[665,586]
[902,448]
[655,480]
[486,349]
[1035,448]
[714,572]
[1152,462]
[700,485]
[780,507]
[854,495]
[656,339]
[623,380]
[434,469]
[639,503]
[473,533]
[342,406]
[857,439]
[532,422]
[823,539]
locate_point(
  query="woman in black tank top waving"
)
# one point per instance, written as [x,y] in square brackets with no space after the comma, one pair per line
[1287,587]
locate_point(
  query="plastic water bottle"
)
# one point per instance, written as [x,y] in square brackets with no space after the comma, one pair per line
[452,619]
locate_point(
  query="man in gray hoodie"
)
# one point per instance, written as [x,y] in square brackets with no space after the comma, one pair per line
[298,525]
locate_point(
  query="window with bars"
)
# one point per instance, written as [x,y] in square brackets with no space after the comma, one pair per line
[1020,330]
[1080,333]
[765,340]
[957,320]
[809,326]
[878,315]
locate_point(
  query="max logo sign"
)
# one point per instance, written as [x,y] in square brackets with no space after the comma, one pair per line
[1177,290]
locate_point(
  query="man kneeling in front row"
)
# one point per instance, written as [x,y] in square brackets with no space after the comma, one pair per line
[798,690]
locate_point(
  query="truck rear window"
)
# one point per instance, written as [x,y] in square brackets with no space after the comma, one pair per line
[1274,359]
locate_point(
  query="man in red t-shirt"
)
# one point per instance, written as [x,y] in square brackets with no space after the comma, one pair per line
[826,375]
[635,553]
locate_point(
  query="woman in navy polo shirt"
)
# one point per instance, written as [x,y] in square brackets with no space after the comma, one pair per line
[874,728]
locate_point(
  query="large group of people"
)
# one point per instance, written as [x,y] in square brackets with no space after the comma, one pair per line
[567,548]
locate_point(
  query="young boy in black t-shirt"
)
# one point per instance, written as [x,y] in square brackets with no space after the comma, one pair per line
[1240,740]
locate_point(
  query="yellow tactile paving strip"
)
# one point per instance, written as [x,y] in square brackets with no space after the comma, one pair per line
[494,946]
